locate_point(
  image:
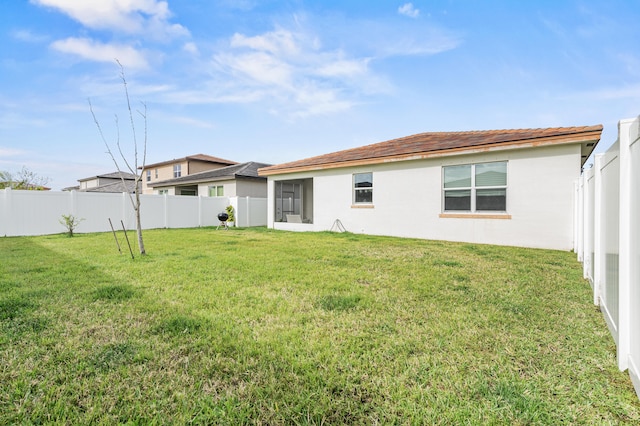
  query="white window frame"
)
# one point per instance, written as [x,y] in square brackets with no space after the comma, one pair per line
[473,189]
[177,170]
[215,188]
[163,192]
[148,175]
[355,189]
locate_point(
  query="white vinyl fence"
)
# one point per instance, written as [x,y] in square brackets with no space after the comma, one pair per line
[39,212]
[608,241]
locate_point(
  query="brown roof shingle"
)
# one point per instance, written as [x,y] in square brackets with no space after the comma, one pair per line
[425,145]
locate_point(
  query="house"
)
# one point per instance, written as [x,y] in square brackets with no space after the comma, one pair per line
[165,170]
[505,187]
[108,182]
[238,180]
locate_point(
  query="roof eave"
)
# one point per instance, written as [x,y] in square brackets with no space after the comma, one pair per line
[190,181]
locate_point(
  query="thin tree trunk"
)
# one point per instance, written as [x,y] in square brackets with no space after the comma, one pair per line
[139,224]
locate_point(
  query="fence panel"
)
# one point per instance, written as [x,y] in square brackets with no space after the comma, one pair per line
[95,210]
[39,212]
[26,214]
[589,211]
[253,211]
[611,240]
[633,257]
[210,208]
[610,234]
[152,211]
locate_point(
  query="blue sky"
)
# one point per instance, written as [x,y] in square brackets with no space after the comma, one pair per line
[277,81]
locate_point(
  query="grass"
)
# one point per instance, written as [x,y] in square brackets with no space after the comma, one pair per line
[263,327]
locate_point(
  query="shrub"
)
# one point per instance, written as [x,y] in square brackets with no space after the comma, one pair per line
[70,222]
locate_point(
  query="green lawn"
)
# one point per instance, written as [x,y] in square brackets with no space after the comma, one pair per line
[264,327]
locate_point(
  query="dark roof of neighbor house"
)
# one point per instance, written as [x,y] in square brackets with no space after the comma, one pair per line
[197,157]
[113,175]
[129,186]
[426,145]
[243,170]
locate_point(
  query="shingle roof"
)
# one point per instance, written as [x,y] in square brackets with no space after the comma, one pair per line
[196,157]
[113,175]
[129,186]
[243,170]
[425,145]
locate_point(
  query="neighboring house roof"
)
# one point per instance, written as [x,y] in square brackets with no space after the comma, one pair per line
[114,175]
[243,170]
[426,145]
[196,157]
[129,186]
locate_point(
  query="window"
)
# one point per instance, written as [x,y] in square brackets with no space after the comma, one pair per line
[475,187]
[148,175]
[156,173]
[177,170]
[363,188]
[163,191]
[216,191]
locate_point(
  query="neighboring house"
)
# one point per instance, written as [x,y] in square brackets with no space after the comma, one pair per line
[153,173]
[108,182]
[506,187]
[238,180]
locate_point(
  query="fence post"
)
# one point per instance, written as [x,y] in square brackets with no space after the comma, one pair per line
[587,238]
[597,229]
[625,247]
[248,207]
[578,226]
[4,223]
[234,202]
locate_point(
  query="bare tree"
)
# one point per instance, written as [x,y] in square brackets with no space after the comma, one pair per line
[132,166]
[24,179]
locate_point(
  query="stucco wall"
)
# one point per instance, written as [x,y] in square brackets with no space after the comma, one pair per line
[251,188]
[229,187]
[407,200]
[165,172]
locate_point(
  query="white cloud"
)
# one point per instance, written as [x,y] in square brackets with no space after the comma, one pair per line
[191,48]
[279,42]
[28,36]
[258,67]
[296,76]
[345,67]
[100,52]
[146,17]
[407,9]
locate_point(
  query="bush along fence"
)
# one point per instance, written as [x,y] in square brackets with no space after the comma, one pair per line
[25,213]
[607,240]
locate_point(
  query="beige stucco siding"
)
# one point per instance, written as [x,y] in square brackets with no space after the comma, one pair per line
[165,172]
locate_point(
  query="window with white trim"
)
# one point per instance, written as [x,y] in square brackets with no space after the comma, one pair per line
[163,192]
[478,187]
[363,188]
[177,170]
[216,191]
[148,175]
